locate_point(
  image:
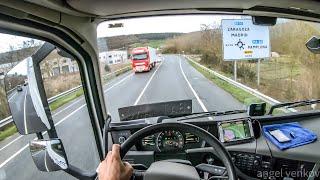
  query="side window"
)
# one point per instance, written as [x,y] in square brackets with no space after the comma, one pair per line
[69,109]
[19,111]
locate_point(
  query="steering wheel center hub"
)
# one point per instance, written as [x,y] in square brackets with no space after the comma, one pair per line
[164,170]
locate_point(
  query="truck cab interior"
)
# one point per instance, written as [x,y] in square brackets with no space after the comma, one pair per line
[172,121]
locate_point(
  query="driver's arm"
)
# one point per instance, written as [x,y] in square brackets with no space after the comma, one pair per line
[112,168]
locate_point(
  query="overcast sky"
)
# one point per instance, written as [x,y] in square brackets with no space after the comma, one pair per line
[160,24]
[6,40]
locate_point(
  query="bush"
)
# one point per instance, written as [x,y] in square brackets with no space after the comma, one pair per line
[107,68]
[246,72]
[209,58]
[4,109]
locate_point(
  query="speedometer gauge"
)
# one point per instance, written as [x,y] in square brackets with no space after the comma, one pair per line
[170,141]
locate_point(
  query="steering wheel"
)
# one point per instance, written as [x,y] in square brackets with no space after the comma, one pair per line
[164,170]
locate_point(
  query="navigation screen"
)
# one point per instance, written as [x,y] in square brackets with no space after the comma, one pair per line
[235,130]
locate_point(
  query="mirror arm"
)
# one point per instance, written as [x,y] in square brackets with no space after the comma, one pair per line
[105,134]
[80,174]
[39,135]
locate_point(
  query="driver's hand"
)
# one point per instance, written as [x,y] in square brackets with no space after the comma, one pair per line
[112,168]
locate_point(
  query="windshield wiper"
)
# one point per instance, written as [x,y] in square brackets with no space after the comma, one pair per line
[289,105]
[201,115]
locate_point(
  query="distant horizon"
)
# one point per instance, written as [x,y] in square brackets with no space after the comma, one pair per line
[150,33]
[177,24]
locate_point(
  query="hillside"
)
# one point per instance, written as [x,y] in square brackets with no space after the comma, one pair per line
[125,41]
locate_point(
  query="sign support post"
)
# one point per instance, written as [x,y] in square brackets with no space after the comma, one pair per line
[235,70]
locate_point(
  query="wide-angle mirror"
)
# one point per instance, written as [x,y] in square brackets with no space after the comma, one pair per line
[48,155]
[24,98]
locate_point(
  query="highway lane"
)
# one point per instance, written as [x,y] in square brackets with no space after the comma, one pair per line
[174,79]
[21,107]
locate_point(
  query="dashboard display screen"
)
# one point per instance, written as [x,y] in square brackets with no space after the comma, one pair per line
[235,130]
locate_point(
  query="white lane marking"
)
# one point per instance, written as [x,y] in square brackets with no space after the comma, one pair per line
[13,156]
[12,96]
[25,114]
[72,113]
[62,120]
[45,161]
[24,147]
[144,89]
[67,107]
[20,136]
[193,91]
[116,84]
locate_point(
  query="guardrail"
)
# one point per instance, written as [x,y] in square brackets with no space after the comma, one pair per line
[9,119]
[58,96]
[253,92]
[8,92]
[5,121]
[117,72]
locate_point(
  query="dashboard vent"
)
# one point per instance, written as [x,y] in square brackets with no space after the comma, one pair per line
[191,138]
[148,141]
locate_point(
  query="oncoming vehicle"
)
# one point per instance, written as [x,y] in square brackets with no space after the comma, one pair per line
[19,88]
[143,59]
[233,93]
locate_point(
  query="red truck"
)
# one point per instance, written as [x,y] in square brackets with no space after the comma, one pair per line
[143,59]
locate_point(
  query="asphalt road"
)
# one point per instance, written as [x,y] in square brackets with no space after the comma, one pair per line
[21,107]
[173,79]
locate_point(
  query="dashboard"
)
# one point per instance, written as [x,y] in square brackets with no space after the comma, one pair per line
[232,131]
[250,152]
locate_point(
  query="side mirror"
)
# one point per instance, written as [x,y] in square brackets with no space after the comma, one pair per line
[313,45]
[24,98]
[48,155]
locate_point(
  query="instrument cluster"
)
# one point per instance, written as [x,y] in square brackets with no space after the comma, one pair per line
[169,140]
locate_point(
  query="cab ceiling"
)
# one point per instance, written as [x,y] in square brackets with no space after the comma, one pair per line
[107,8]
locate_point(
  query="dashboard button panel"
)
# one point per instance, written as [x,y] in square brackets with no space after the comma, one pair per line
[250,163]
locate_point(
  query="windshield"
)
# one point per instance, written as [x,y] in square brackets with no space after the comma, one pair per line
[221,63]
[139,56]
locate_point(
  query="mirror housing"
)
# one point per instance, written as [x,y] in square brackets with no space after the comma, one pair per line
[25,102]
[264,20]
[313,45]
[48,155]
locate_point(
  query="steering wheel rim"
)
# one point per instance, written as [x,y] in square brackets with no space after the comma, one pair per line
[201,133]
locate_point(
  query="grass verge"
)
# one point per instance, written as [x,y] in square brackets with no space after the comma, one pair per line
[65,99]
[105,79]
[7,132]
[239,94]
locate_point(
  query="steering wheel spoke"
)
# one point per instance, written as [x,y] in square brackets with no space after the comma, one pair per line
[218,177]
[138,174]
[212,169]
